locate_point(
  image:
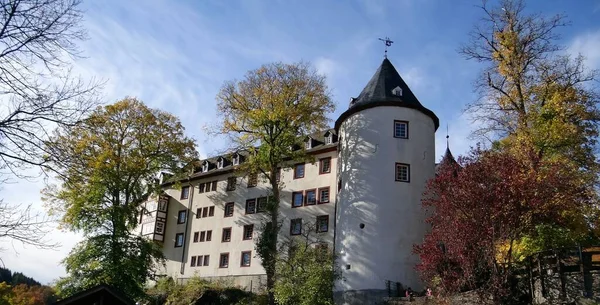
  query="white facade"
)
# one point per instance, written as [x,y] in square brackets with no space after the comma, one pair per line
[179,258]
[390,211]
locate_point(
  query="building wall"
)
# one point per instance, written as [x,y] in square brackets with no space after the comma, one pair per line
[390,210]
[176,256]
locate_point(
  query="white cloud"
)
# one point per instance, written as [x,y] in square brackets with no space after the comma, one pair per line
[326,66]
[588,45]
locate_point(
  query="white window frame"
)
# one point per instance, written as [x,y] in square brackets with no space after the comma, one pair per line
[308,144]
[205,167]
[405,124]
[398,170]
[328,139]
[236,159]
[220,163]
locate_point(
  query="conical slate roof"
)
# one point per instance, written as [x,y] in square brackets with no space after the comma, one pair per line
[379,91]
[448,158]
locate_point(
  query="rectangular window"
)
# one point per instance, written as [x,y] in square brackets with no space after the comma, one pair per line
[311,197]
[328,139]
[296,226]
[322,223]
[206,259]
[193,262]
[224,260]
[201,188]
[209,235]
[252,179]
[207,187]
[248,231]
[185,192]
[250,206]
[202,236]
[231,181]
[214,186]
[401,129]
[402,172]
[211,211]
[181,217]
[324,195]
[297,199]
[205,212]
[261,204]
[299,171]
[325,166]
[196,234]
[229,209]
[246,257]
[198,212]
[226,235]
[178,240]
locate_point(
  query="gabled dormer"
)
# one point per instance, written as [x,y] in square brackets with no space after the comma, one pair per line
[235,159]
[205,166]
[329,137]
[221,162]
[308,143]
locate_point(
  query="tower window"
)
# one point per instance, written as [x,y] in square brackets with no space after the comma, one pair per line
[401,129]
[402,172]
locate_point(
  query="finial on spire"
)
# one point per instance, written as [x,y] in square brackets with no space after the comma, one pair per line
[447,137]
[388,43]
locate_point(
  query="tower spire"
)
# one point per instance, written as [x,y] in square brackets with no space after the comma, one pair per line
[388,43]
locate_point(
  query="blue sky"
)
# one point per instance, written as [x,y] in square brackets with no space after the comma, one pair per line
[175,55]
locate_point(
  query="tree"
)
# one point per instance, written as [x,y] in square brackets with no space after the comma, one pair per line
[32,295]
[481,213]
[306,271]
[537,102]
[265,114]
[107,168]
[38,93]
[540,101]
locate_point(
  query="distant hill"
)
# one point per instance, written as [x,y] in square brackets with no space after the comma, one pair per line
[16,278]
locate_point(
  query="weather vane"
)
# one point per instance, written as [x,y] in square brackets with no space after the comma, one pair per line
[388,43]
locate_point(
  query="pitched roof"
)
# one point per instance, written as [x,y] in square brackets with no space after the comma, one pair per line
[379,92]
[101,292]
[447,160]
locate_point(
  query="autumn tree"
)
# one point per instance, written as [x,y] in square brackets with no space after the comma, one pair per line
[537,102]
[265,114]
[38,92]
[482,210]
[108,166]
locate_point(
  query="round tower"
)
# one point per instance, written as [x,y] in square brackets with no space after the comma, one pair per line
[386,156]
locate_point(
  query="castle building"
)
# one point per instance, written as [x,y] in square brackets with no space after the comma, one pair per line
[362,194]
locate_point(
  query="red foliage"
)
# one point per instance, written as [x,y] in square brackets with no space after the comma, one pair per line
[491,199]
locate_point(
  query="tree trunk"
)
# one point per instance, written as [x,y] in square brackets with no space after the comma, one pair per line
[274,211]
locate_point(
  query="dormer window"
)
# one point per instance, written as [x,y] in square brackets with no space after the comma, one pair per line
[236,159]
[220,163]
[397,91]
[308,144]
[328,137]
[205,167]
